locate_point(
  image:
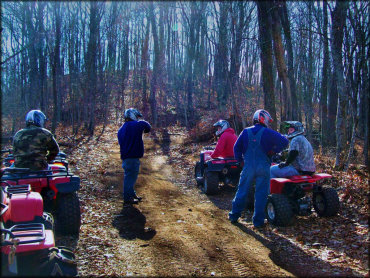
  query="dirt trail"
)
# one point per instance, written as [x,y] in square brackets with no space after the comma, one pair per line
[175,231]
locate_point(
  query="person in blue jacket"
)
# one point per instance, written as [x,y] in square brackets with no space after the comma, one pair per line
[254,148]
[130,139]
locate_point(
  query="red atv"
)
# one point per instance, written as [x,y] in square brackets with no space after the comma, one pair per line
[209,173]
[296,195]
[58,188]
[27,241]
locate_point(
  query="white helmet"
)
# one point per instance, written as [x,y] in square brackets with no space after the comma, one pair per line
[35,117]
[262,117]
[132,114]
[223,124]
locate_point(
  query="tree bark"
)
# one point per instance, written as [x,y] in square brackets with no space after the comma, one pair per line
[325,79]
[265,41]
[339,20]
[281,65]
[283,11]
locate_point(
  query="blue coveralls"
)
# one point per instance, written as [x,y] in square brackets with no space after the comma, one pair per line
[256,168]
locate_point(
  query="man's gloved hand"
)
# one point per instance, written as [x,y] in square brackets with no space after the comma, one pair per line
[283,164]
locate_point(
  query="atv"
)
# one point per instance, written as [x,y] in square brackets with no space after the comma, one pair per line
[58,188]
[213,174]
[27,237]
[297,195]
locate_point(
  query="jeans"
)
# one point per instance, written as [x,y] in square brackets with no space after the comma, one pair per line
[287,171]
[131,167]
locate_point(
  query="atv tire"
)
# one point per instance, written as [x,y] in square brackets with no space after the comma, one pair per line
[278,210]
[211,182]
[326,202]
[68,215]
[198,173]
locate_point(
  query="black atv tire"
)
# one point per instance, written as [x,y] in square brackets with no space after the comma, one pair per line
[68,215]
[211,182]
[278,210]
[198,173]
[326,202]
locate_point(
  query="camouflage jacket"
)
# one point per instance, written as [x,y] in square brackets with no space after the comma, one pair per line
[305,160]
[33,147]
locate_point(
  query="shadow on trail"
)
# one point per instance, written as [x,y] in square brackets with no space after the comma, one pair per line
[130,223]
[164,140]
[285,254]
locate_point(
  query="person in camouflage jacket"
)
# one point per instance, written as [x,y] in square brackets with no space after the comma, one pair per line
[34,146]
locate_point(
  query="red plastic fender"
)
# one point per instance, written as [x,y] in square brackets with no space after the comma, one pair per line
[277,185]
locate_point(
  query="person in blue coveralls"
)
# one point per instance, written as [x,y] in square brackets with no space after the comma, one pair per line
[130,139]
[254,147]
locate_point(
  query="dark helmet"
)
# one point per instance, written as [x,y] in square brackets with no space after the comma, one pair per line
[132,114]
[223,124]
[35,117]
[262,117]
[298,128]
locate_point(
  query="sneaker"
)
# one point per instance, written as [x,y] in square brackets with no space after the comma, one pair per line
[138,198]
[131,202]
[233,221]
[259,228]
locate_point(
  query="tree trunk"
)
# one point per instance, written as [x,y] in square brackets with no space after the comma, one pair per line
[281,65]
[265,38]
[325,80]
[56,65]
[339,20]
[286,27]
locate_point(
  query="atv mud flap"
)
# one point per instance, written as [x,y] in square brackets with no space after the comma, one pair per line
[68,187]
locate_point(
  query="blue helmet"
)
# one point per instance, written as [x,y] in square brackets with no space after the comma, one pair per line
[132,114]
[35,117]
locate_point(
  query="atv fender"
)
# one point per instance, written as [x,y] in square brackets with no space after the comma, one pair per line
[68,187]
[215,165]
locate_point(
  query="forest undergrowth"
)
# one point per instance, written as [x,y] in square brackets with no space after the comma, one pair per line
[342,241]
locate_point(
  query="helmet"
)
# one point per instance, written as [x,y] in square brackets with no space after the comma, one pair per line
[223,124]
[132,114]
[262,117]
[298,128]
[35,117]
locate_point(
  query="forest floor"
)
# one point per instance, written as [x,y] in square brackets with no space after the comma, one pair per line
[178,231]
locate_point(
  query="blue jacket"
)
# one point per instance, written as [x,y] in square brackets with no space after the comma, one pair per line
[272,142]
[130,138]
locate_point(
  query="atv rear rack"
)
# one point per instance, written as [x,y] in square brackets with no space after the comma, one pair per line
[26,233]
[17,189]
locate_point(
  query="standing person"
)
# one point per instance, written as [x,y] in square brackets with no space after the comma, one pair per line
[300,160]
[225,144]
[34,146]
[254,147]
[130,139]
